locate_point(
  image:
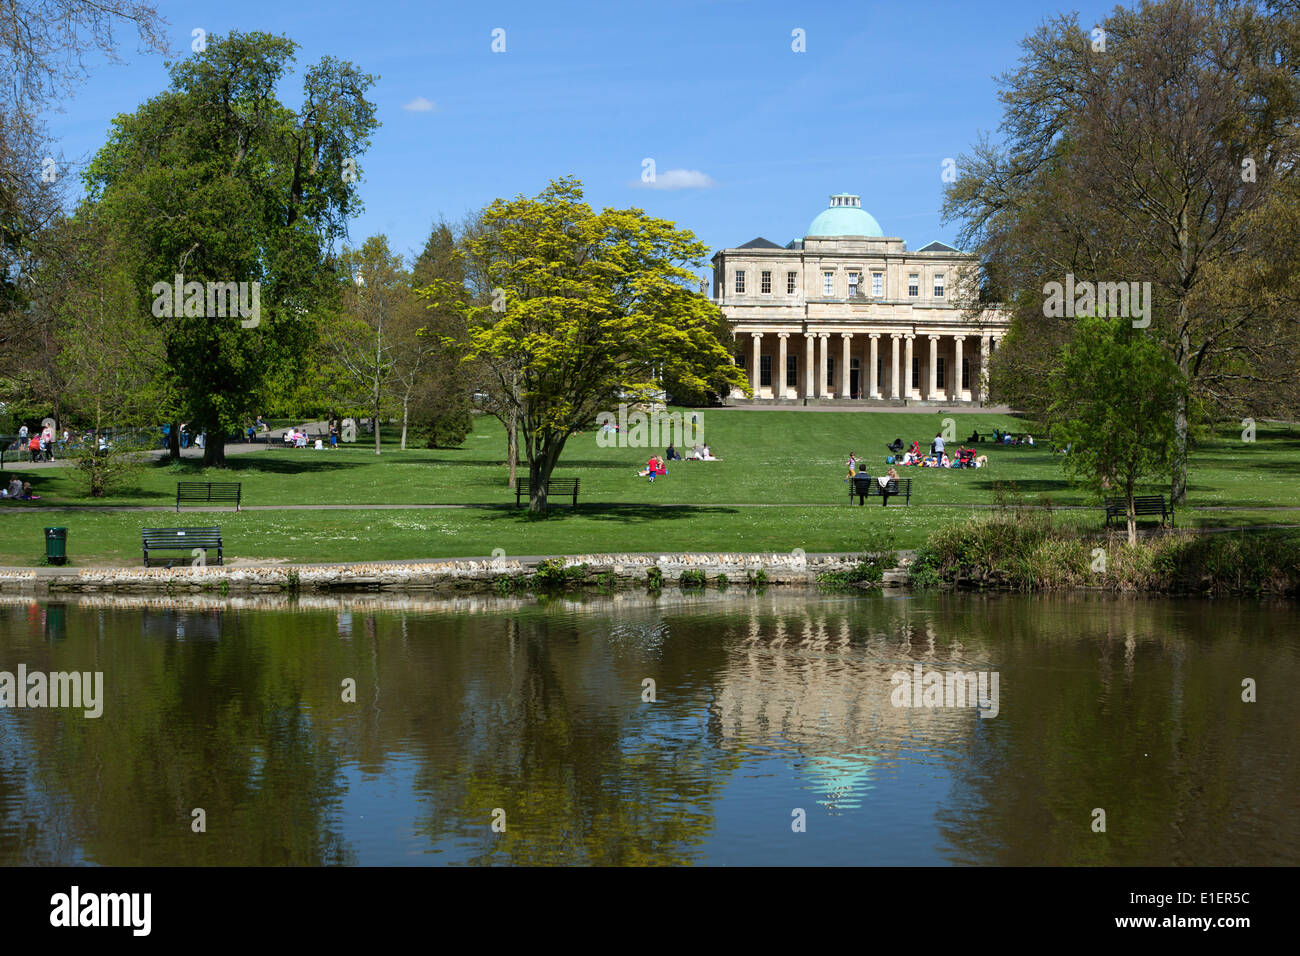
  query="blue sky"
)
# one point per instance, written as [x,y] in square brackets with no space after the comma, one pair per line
[883,94]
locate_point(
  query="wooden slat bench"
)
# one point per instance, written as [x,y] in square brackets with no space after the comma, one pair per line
[181,539]
[207,492]
[1142,505]
[864,486]
[556,486]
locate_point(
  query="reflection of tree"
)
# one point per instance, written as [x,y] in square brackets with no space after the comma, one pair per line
[213,725]
[586,772]
[1109,714]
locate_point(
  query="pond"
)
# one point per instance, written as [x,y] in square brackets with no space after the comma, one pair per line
[783,727]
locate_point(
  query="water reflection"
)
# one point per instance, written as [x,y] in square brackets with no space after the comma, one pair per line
[472,708]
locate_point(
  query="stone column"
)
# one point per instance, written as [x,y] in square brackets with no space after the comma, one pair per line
[809,365]
[984,369]
[845,361]
[873,389]
[778,374]
[757,377]
[908,384]
[933,392]
[822,367]
[957,392]
[893,374]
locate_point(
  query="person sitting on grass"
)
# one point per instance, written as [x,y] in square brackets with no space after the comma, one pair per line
[27,492]
[671,454]
[653,467]
[974,438]
[707,455]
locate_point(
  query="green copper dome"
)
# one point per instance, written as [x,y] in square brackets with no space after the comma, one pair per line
[844,217]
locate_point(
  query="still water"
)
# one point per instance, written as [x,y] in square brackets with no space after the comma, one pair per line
[708,728]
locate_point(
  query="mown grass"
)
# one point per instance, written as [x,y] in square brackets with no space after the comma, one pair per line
[791,461]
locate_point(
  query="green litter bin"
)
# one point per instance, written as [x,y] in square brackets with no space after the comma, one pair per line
[56,545]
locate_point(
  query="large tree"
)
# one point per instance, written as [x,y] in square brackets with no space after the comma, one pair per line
[1146,153]
[580,310]
[43,51]
[364,338]
[218,182]
[434,385]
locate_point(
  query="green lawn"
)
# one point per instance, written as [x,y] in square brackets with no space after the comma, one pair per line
[789,460]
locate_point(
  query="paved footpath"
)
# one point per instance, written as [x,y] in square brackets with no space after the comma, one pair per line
[194,451]
[598,506]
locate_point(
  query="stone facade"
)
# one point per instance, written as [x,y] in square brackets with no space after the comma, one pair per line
[847,317]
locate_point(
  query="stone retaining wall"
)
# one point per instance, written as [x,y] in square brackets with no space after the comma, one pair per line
[794,567]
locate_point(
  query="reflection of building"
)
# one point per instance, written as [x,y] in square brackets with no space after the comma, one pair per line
[848,313]
[801,682]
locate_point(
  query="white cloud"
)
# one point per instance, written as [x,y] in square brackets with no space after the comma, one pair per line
[420,105]
[678,179]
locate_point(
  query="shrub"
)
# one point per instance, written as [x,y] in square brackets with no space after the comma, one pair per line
[692,578]
[655,577]
[552,575]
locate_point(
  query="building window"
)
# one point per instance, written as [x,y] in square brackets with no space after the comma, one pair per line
[938,285]
[830,372]
[828,283]
[853,283]
[938,374]
[740,280]
[877,284]
[914,285]
[765,370]
[792,370]
[789,283]
[740,359]
[880,370]
[765,284]
[916,373]
[965,372]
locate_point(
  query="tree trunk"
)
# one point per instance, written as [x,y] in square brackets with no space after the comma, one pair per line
[174,442]
[406,401]
[512,445]
[1130,513]
[539,475]
[1178,487]
[375,420]
[214,449]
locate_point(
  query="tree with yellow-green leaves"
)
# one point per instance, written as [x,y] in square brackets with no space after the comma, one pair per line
[571,312]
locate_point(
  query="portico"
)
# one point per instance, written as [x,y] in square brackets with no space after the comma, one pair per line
[848,315]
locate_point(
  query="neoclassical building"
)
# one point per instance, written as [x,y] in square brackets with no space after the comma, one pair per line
[848,314]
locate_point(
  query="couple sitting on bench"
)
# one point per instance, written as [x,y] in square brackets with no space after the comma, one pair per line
[886,484]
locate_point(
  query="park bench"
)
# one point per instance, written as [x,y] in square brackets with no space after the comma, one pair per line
[207,492]
[1142,505]
[865,486]
[181,539]
[556,486]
